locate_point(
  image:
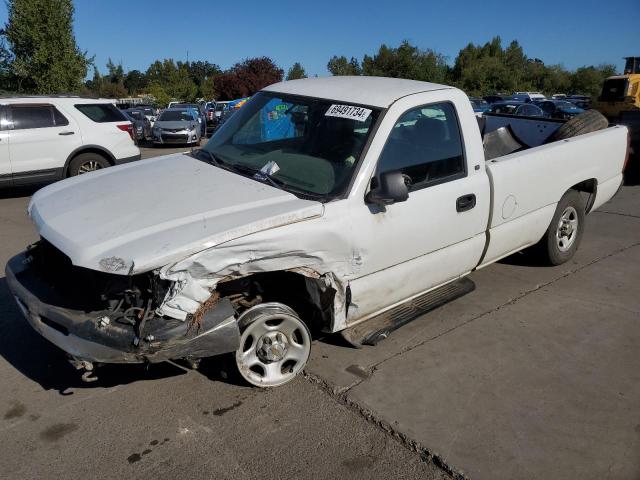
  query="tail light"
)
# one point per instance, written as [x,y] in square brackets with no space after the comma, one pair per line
[210,115]
[126,127]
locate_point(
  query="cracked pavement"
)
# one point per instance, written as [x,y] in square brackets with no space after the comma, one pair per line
[535,374]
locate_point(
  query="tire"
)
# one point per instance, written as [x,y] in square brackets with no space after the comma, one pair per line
[87,162]
[274,345]
[556,247]
[585,122]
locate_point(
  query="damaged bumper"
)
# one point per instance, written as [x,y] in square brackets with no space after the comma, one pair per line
[94,337]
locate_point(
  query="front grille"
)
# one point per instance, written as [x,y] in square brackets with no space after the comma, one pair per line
[174,138]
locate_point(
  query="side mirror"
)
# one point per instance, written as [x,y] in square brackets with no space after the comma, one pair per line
[391,188]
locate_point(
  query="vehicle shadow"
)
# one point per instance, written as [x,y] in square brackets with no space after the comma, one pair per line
[523,258]
[17,192]
[47,365]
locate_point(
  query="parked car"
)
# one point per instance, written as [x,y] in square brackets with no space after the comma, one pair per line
[479,105]
[339,204]
[212,120]
[202,119]
[580,101]
[177,125]
[493,98]
[149,112]
[140,122]
[520,108]
[559,109]
[530,96]
[43,139]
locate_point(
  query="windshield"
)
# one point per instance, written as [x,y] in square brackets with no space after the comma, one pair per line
[220,107]
[315,144]
[176,116]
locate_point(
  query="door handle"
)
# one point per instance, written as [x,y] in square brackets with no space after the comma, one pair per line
[66,133]
[466,202]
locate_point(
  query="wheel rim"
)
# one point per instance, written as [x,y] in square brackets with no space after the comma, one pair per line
[567,230]
[273,349]
[89,166]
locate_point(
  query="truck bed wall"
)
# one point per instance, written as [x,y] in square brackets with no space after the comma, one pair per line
[532,131]
[527,185]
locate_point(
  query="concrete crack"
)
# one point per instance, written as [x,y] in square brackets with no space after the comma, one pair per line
[617,213]
[426,455]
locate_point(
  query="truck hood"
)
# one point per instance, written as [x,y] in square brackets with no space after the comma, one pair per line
[143,215]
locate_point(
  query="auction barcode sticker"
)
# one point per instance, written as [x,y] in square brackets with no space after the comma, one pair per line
[348,111]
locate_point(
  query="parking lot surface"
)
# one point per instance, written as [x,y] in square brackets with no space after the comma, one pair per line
[535,374]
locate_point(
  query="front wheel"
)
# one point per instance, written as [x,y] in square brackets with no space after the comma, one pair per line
[87,162]
[562,238]
[274,345]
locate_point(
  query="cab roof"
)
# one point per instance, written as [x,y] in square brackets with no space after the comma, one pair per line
[372,91]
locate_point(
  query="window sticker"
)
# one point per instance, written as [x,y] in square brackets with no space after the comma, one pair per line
[348,111]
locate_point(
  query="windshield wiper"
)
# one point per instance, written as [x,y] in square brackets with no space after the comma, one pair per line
[216,161]
[259,175]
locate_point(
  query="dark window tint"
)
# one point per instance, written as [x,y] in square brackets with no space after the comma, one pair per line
[101,112]
[59,119]
[31,116]
[425,144]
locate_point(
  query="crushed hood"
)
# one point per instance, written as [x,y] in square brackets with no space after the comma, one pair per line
[147,214]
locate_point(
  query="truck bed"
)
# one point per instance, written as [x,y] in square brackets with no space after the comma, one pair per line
[526,185]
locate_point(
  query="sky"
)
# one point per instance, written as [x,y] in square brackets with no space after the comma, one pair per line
[137,32]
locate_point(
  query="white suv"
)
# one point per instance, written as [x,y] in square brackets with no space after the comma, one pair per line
[43,139]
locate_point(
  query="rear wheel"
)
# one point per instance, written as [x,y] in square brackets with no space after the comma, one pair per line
[87,162]
[562,238]
[274,345]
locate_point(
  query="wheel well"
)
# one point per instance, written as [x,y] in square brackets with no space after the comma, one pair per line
[587,186]
[307,296]
[95,150]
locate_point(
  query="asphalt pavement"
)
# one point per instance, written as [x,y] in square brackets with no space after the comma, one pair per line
[535,374]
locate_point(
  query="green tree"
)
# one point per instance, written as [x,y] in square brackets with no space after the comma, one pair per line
[341,66]
[406,61]
[202,73]
[135,82]
[162,98]
[589,80]
[296,71]
[40,36]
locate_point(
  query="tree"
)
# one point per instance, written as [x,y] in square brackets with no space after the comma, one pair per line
[341,66]
[174,79]
[406,61]
[589,80]
[135,82]
[161,97]
[40,36]
[296,71]
[247,77]
[202,73]
[95,84]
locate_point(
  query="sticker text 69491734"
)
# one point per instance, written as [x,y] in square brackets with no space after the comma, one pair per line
[348,111]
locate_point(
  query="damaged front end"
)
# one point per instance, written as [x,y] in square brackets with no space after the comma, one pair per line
[109,318]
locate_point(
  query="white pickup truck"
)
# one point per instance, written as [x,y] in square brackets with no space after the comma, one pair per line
[343,204]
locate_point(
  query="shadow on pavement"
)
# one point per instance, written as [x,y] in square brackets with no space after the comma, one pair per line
[17,192]
[47,365]
[524,258]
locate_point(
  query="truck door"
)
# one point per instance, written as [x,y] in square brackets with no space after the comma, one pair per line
[5,164]
[435,236]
